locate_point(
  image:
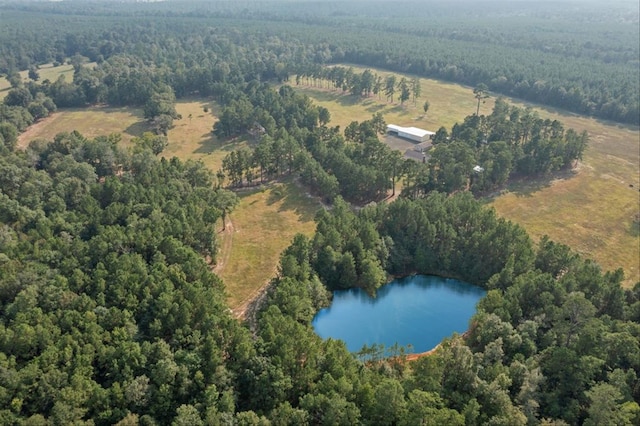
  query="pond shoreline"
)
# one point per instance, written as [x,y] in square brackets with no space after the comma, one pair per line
[417,311]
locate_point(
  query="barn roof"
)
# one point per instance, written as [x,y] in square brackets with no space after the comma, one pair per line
[409,130]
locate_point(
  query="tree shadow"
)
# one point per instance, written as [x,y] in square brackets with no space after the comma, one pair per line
[376,107]
[328,95]
[292,198]
[634,229]
[138,128]
[211,143]
[399,109]
[527,186]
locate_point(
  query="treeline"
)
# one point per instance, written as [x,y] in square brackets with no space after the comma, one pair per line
[561,56]
[293,138]
[362,84]
[483,152]
[525,55]
[20,109]
[479,154]
[142,80]
[534,352]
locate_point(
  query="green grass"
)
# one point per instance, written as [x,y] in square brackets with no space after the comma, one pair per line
[592,209]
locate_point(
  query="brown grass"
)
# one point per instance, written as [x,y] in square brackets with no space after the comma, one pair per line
[47,72]
[90,122]
[264,224]
[192,138]
[267,217]
[592,210]
[449,104]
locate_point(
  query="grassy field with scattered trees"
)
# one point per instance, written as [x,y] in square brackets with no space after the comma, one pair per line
[593,208]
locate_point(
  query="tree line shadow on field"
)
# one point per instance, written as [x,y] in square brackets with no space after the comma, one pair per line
[372,104]
[138,128]
[523,186]
[290,198]
[634,228]
[211,143]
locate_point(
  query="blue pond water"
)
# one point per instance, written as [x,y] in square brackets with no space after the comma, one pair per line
[420,310]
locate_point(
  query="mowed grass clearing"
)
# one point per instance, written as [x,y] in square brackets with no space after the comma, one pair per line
[264,224]
[90,122]
[593,209]
[191,137]
[47,72]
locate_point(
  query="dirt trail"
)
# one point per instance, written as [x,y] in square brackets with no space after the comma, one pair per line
[246,308]
[250,306]
[225,249]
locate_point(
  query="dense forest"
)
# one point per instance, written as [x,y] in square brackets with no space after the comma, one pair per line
[110,312]
[580,56]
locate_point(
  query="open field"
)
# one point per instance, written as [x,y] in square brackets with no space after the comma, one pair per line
[595,209]
[265,221]
[192,138]
[449,103]
[90,122]
[47,72]
[592,209]
[264,224]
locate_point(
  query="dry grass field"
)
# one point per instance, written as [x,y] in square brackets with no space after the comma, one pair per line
[265,221]
[47,72]
[449,103]
[191,137]
[90,122]
[264,224]
[594,209]
[591,209]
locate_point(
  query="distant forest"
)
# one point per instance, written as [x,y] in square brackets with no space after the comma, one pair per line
[579,56]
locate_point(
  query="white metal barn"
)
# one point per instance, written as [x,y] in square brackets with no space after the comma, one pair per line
[411,133]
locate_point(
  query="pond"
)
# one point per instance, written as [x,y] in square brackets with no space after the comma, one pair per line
[420,310]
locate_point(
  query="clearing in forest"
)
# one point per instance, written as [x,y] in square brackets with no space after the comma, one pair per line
[191,137]
[265,221]
[90,122]
[46,72]
[594,208]
[264,224]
